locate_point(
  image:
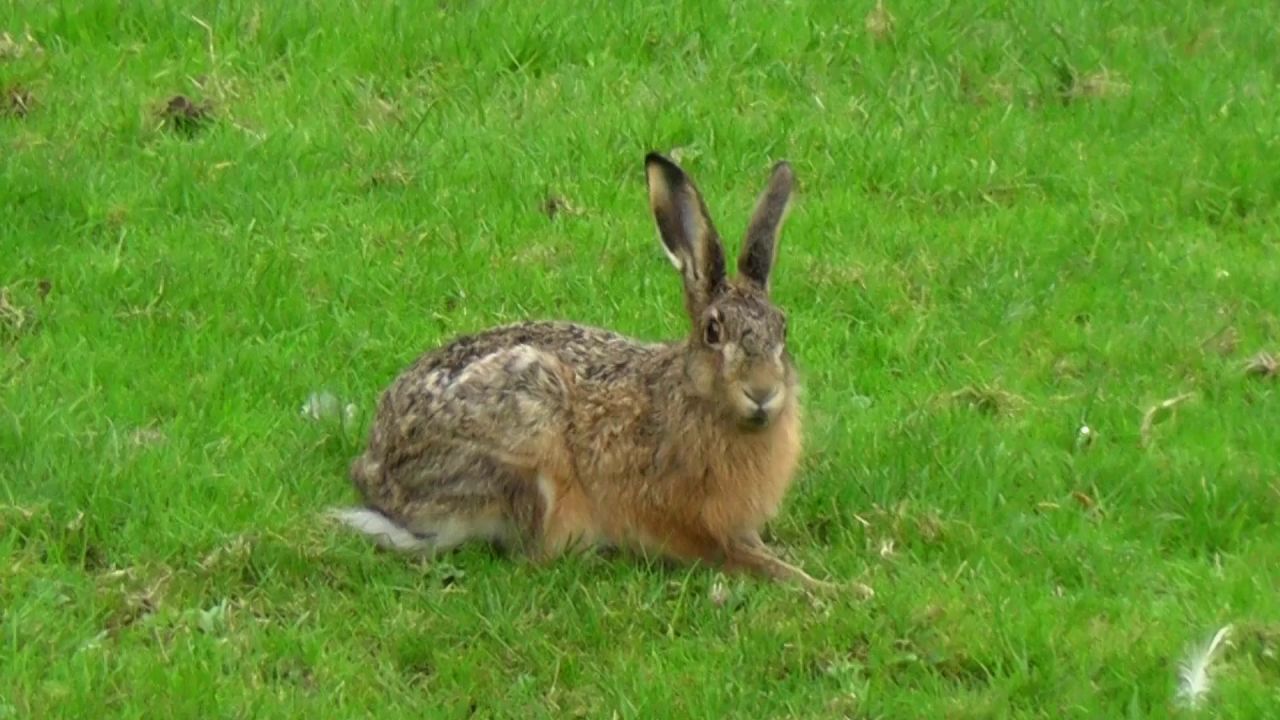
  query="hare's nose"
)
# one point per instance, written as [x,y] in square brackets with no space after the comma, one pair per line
[760,395]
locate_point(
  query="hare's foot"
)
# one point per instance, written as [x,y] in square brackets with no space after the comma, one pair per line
[750,554]
[740,555]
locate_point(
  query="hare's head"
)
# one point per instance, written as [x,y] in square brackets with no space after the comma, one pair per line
[738,344]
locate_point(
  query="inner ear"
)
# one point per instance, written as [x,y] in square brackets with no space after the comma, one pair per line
[686,230]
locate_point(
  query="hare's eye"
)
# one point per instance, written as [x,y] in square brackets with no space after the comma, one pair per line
[712,332]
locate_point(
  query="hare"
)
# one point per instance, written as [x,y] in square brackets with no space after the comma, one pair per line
[545,436]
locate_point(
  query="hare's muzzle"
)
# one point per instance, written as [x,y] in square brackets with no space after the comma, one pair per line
[760,404]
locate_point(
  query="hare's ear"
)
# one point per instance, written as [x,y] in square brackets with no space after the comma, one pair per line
[686,230]
[760,247]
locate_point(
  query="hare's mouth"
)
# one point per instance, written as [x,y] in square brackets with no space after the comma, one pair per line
[757,419]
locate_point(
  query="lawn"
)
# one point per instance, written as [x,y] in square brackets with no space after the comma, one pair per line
[1011,223]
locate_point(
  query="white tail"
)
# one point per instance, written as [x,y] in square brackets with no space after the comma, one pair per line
[381,529]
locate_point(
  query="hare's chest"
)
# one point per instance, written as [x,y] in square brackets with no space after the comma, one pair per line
[747,486]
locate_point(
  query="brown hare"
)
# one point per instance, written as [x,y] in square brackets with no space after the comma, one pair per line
[547,435]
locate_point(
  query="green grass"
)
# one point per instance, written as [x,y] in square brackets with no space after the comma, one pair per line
[1010,222]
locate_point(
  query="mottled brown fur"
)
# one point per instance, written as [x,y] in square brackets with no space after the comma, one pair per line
[551,435]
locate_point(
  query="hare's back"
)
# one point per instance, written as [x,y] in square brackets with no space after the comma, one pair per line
[593,353]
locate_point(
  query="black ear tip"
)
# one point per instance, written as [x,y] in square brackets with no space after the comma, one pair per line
[671,172]
[656,158]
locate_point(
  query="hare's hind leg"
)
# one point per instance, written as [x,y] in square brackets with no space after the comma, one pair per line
[476,454]
[444,523]
[531,515]
[465,496]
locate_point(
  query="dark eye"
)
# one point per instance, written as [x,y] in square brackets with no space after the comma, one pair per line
[712,332]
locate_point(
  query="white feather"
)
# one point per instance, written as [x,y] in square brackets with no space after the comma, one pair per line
[1193,674]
